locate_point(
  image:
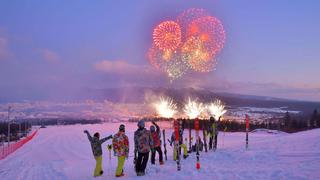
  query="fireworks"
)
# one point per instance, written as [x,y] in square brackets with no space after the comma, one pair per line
[193,109]
[167,36]
[210,31]
[165,107]
[196,54]
[216,109]
[186,18]
[193,42]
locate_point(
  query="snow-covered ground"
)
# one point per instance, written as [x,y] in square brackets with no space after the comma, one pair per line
[64,153]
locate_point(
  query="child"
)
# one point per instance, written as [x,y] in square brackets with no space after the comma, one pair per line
[96,142]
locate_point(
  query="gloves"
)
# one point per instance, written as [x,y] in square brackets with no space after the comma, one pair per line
[154,123]
[86,131]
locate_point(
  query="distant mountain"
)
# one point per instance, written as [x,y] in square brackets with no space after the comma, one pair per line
[139,95]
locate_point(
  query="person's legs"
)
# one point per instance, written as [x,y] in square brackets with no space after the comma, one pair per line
[174,153]
[138,163]
[153,156]
[158,149]
[210,142]
[119,170]
[98,168]
[185,151]
[144,161]
[216,141]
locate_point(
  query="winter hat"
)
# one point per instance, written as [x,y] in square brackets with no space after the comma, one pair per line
[141,124]
[121,127]
[97,135]
[152,128]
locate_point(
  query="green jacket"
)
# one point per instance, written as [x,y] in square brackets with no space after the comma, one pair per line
[96,144]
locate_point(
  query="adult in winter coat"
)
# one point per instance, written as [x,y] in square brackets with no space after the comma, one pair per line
[181,144]
[213,132]
[96,142]
[156,135]
[216,131]
[142,144]
[120,143]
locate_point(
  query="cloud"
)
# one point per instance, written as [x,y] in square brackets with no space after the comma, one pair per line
[122,73]
[4,50]
[120,67]
[50,56]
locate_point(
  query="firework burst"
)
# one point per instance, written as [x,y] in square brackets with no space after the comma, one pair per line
[167,36]
[193,109]
[216,109]
[193,42]
[198,57]
[210,31]
[165,107]
[186,18]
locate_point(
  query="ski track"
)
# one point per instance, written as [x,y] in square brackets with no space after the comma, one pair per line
[63,153]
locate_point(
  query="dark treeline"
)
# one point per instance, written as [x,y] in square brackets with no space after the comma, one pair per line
[288,123]
[17,130]
[62,121]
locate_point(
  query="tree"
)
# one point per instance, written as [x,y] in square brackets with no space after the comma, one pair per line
[314,117]
[287,120]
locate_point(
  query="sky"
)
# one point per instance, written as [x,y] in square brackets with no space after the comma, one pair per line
[57,48]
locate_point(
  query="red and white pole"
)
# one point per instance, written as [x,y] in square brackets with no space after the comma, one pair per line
[247,131]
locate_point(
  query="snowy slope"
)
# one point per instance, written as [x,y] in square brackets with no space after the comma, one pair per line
[64,153]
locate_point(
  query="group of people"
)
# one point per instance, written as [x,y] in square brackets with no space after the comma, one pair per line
[144,142]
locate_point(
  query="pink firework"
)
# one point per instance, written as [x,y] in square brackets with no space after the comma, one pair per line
[210,31]
[167,36]
[187,16]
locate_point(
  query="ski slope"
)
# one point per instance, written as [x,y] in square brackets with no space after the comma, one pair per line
[63,152]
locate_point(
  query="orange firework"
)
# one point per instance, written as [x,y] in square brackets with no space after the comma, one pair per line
[199,58]
[187,16]
[167,36]
[210,31]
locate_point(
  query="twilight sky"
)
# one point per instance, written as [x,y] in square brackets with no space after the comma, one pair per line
[56,48]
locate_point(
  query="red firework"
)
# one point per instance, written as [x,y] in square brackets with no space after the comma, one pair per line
[187,16]
[167,36]
[210,30]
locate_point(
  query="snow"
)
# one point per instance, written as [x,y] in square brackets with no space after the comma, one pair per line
[63,152]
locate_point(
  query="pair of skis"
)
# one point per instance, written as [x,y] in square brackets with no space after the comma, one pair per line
[164,144]
[176,143]
[196,127]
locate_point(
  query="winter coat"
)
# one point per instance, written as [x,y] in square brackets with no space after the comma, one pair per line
[96,144]
[156,137]
[120,144]
[142,140]
[173,137]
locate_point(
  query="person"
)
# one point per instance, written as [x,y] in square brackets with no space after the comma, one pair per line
[194,147]
[156,135]
[216,131]
[96,143]
[120,145]
[181,144]
[211,132]
[142,144]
